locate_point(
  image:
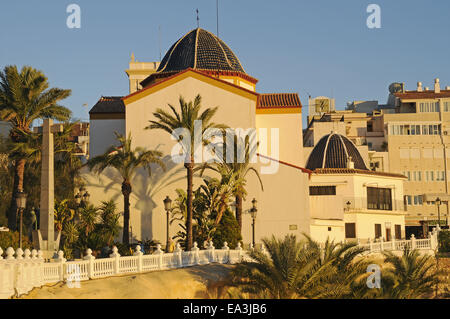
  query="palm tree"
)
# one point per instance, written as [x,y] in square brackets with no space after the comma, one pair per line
[126,161]
[292,269]
[186,119]
[409,276]
[24,97]
[238,169]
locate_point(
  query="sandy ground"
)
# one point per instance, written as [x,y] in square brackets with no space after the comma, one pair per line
[189,283]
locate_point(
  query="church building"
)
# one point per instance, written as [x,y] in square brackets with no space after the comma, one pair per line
[333,195]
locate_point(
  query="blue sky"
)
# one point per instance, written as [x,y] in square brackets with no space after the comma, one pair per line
[310,47]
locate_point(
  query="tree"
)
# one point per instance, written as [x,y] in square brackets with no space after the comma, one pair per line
[126,161]
[237,170]
[185,118]
[25,96]
[293,269]
[409,276]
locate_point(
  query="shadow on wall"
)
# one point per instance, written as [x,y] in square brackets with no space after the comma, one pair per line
[147,191]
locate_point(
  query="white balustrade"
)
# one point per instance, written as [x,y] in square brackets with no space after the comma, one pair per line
[21,271]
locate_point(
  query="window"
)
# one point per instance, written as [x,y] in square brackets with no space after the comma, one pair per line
[350,230]
[446,106]
[418,200]
[398,231]
[429,107]
[329,228]
[379,198]
[322,190]
[440,176]
[377,230]
[409,199]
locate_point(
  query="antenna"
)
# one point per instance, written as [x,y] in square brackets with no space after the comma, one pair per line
[159,42]
[217,15]
[198,19]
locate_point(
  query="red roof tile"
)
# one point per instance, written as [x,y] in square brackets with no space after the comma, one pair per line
[278,100]
[414,95]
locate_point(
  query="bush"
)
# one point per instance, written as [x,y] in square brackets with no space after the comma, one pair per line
[11,239]
[227,231]
[444,241]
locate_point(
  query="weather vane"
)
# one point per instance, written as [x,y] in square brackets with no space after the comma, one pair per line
[198,20]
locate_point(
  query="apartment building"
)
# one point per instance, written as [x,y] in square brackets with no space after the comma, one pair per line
[409,136]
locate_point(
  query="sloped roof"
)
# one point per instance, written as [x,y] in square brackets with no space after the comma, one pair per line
[278,100]
[108,104]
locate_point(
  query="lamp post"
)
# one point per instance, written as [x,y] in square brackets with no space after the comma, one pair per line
[168,208]
[348,205]
[253,213]
[438,203]
[21,201]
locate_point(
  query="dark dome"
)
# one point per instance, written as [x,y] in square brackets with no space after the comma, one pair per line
[333,151]
[200,49]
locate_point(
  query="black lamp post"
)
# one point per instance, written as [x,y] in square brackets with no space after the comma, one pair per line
[168,208]
[253,213]
[21,201]
[438,203]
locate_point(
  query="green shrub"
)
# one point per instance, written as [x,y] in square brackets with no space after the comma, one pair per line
[227,231]
[444,241]
[11,239]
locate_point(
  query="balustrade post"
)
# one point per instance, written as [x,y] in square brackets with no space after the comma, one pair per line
[19,272]
[115,255]
[61,260]
[211,250]
[227,258]
[138,253]
[178,254]
[381,244]
[240,254]
[36,268]
[370,245]
[196,250]
[393,243]
[413,242]
[160,253]
[91,259]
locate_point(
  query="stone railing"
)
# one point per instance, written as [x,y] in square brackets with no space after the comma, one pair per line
[428,245]
[21,271]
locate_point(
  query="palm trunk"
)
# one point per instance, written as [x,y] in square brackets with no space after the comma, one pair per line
[239,212]
[19,169]
[190,173]
[126,191]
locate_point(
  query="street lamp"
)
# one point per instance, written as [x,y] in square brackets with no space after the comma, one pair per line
[21,201]
[253,213]
[348,205]
[168,208]
[438,203]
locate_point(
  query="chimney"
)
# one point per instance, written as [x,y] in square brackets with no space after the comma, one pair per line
[419,87]
[447,88]
[437,86]
[427,88]
[350,163]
